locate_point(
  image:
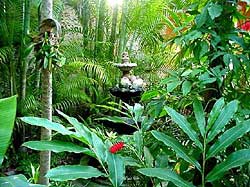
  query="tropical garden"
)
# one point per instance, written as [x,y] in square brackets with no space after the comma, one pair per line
[70,118]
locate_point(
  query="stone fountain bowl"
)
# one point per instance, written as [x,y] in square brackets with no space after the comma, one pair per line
[126,92]
[126,66]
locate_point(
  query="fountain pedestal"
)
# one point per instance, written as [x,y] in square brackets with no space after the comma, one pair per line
[130,87]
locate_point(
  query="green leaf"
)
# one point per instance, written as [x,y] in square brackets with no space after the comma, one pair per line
[116,169]
[114,119]
[149,159]
[129,161]
[186,87]
[204,48]
[138,138]
[7,118]
[201,19]
[200,116]
[42,122]
[79,127]
[138,111]
[228,137]
[172,85]
[14,181]
[165,174]
[225,116]
[193,35]
[235,159]
[214,11]
[181,121]
[177,147]
[216,110]
[99,148]
[73,172]
[57,147]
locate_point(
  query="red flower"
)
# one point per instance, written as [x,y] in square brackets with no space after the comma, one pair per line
[245,26]
[116,147]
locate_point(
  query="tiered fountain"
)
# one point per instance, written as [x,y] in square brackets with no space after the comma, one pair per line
[130,87]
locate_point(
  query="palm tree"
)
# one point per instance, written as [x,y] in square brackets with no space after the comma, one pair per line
[45,156]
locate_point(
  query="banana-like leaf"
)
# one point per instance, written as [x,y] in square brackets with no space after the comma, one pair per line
[177,147]
[228,137]
[216,110]
[235,159]
[73,172]
[181,121]
[42,122]
[17,181]
[14,181]
[200,116]
[165,174]
[7,118]
[225,116]
[99,148]
[57,147]
[116,169]
[79,127]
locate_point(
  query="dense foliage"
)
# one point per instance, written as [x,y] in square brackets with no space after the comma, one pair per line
[191,127]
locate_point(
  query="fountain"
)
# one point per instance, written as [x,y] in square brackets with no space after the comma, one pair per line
[130,86]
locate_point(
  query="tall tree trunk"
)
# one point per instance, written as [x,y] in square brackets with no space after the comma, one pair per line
[45,156]
[113,31]
[26,27]
[122,41]
[100,27]
[85,21]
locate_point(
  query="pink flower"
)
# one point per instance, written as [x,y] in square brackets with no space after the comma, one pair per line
[116,147]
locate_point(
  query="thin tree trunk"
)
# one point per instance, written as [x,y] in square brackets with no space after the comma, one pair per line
[45,156]
[26,27]
[122,41]
[85,21]
[100,28]
[113,31]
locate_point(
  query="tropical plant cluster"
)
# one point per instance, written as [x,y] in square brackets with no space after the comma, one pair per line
[190,127]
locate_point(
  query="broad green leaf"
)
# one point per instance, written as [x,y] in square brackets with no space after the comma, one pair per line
[14,181]
[148,95]
[235,159]
[7,119]
[199,116]
[186,87]
[228,137]
[193,35]
[149,159]
[216,110]
[116,169]
[138,111]
[73,172]
[138,138]
[79,127]
[57,147]
[172,85]
[186,73]
[177,147]
[165,174]
[181,121]
[42,122]
[129,161]
[214,11]
[225,116]
[99,148]
[204,48]
[201,19]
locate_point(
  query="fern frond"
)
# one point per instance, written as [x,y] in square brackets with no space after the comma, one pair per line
[5,54]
